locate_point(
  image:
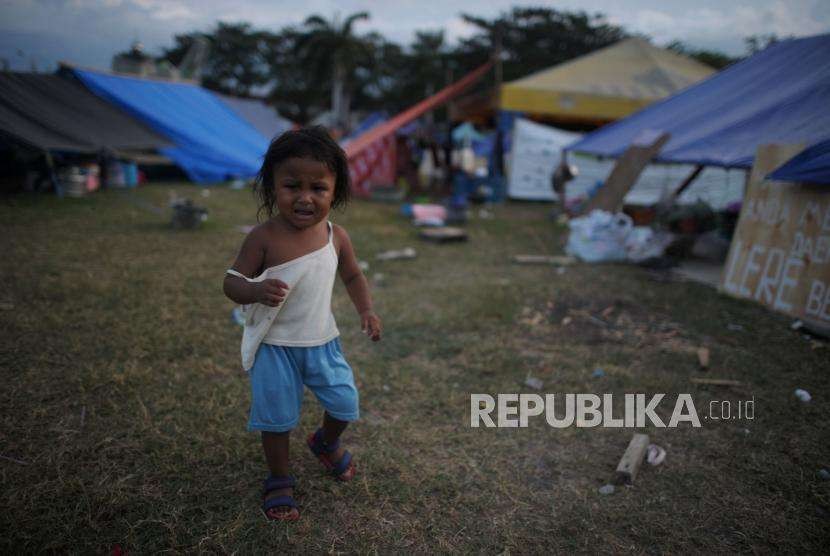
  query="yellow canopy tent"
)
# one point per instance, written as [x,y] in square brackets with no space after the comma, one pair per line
[604,85]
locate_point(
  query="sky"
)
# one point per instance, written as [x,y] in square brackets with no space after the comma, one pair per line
[39,33]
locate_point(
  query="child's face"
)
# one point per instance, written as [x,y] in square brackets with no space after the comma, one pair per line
[304,190]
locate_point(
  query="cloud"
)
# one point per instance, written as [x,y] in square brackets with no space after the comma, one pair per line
[93,30]
[725,25]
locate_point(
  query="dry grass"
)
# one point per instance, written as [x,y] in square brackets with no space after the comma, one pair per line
[123,404]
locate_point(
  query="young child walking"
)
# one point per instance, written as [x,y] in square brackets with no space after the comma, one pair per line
[283,277]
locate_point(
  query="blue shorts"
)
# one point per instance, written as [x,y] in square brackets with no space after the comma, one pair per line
[277,380]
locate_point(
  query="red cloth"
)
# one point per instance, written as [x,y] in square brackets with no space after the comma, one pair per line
[372,155]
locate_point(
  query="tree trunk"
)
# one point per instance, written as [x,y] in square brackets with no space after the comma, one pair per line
[337,96]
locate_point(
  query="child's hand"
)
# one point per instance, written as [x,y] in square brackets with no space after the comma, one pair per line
[271,292]
[370,324]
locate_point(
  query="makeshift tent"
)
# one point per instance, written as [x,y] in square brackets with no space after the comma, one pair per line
[605,85]
[264,118]
[779,95]
[372,155]
[53,114]
[466,133]
[811,165]
[211,142]
[537,150]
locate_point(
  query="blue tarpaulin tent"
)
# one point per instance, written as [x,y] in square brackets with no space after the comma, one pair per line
[811,165]
[779,95]
[212,143]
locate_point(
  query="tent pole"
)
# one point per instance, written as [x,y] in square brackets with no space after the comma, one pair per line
[688,181]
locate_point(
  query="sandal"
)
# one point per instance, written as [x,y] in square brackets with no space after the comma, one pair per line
[342,470]
[285,500]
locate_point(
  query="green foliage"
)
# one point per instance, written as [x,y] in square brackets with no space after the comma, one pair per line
[325,64]
[238,61]
[712,58]
[532,39]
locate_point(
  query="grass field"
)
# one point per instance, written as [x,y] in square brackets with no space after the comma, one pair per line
[124,405]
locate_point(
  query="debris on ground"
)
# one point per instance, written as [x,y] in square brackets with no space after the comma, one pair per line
[245,229]
[557,260]
[531,317]
[363,266]
[655,454]
[598,373]
[803,395]
[716,381]
[797,325]
[428,215]
[397,254]
[205,193]
[443,234]
[703,357]
[735,327]
[631,460]
[534,383]
[186,215]
[824,474]
[378,278]
[606,489]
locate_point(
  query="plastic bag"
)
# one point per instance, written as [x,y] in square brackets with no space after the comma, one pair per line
[599,237]
[644,243]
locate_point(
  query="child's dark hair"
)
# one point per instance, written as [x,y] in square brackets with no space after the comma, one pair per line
[308,142]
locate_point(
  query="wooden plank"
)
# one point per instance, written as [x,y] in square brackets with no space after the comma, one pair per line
[560,260]
[780,253]
[625,172]
[703,357]
[443,234]
[716,381]
[631,461]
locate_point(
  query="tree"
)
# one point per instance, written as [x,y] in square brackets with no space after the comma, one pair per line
[237,62]
[756,43]
[532,39]
[331,48]
[712,58]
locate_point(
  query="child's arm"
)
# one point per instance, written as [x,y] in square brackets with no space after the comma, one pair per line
[269,292]
[356,285]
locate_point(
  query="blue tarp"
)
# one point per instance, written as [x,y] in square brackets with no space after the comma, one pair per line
[779,95]
[264,118]
[211,142]
[810,165]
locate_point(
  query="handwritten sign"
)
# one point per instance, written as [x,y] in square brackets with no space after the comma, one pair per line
[780,254]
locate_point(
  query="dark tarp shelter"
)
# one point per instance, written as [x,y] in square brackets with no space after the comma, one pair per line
[264,118]
[779,95]
[48,112]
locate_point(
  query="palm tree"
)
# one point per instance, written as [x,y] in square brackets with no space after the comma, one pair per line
[428,62]
[332,48]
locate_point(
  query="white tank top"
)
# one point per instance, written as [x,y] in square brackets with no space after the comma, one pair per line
[304,318]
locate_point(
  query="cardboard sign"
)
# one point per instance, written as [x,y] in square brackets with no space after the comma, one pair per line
[536,152]
[780,254]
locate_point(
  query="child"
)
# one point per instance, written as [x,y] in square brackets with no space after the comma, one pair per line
[283,277]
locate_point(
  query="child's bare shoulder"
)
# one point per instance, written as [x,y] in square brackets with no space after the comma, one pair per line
[341,236]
